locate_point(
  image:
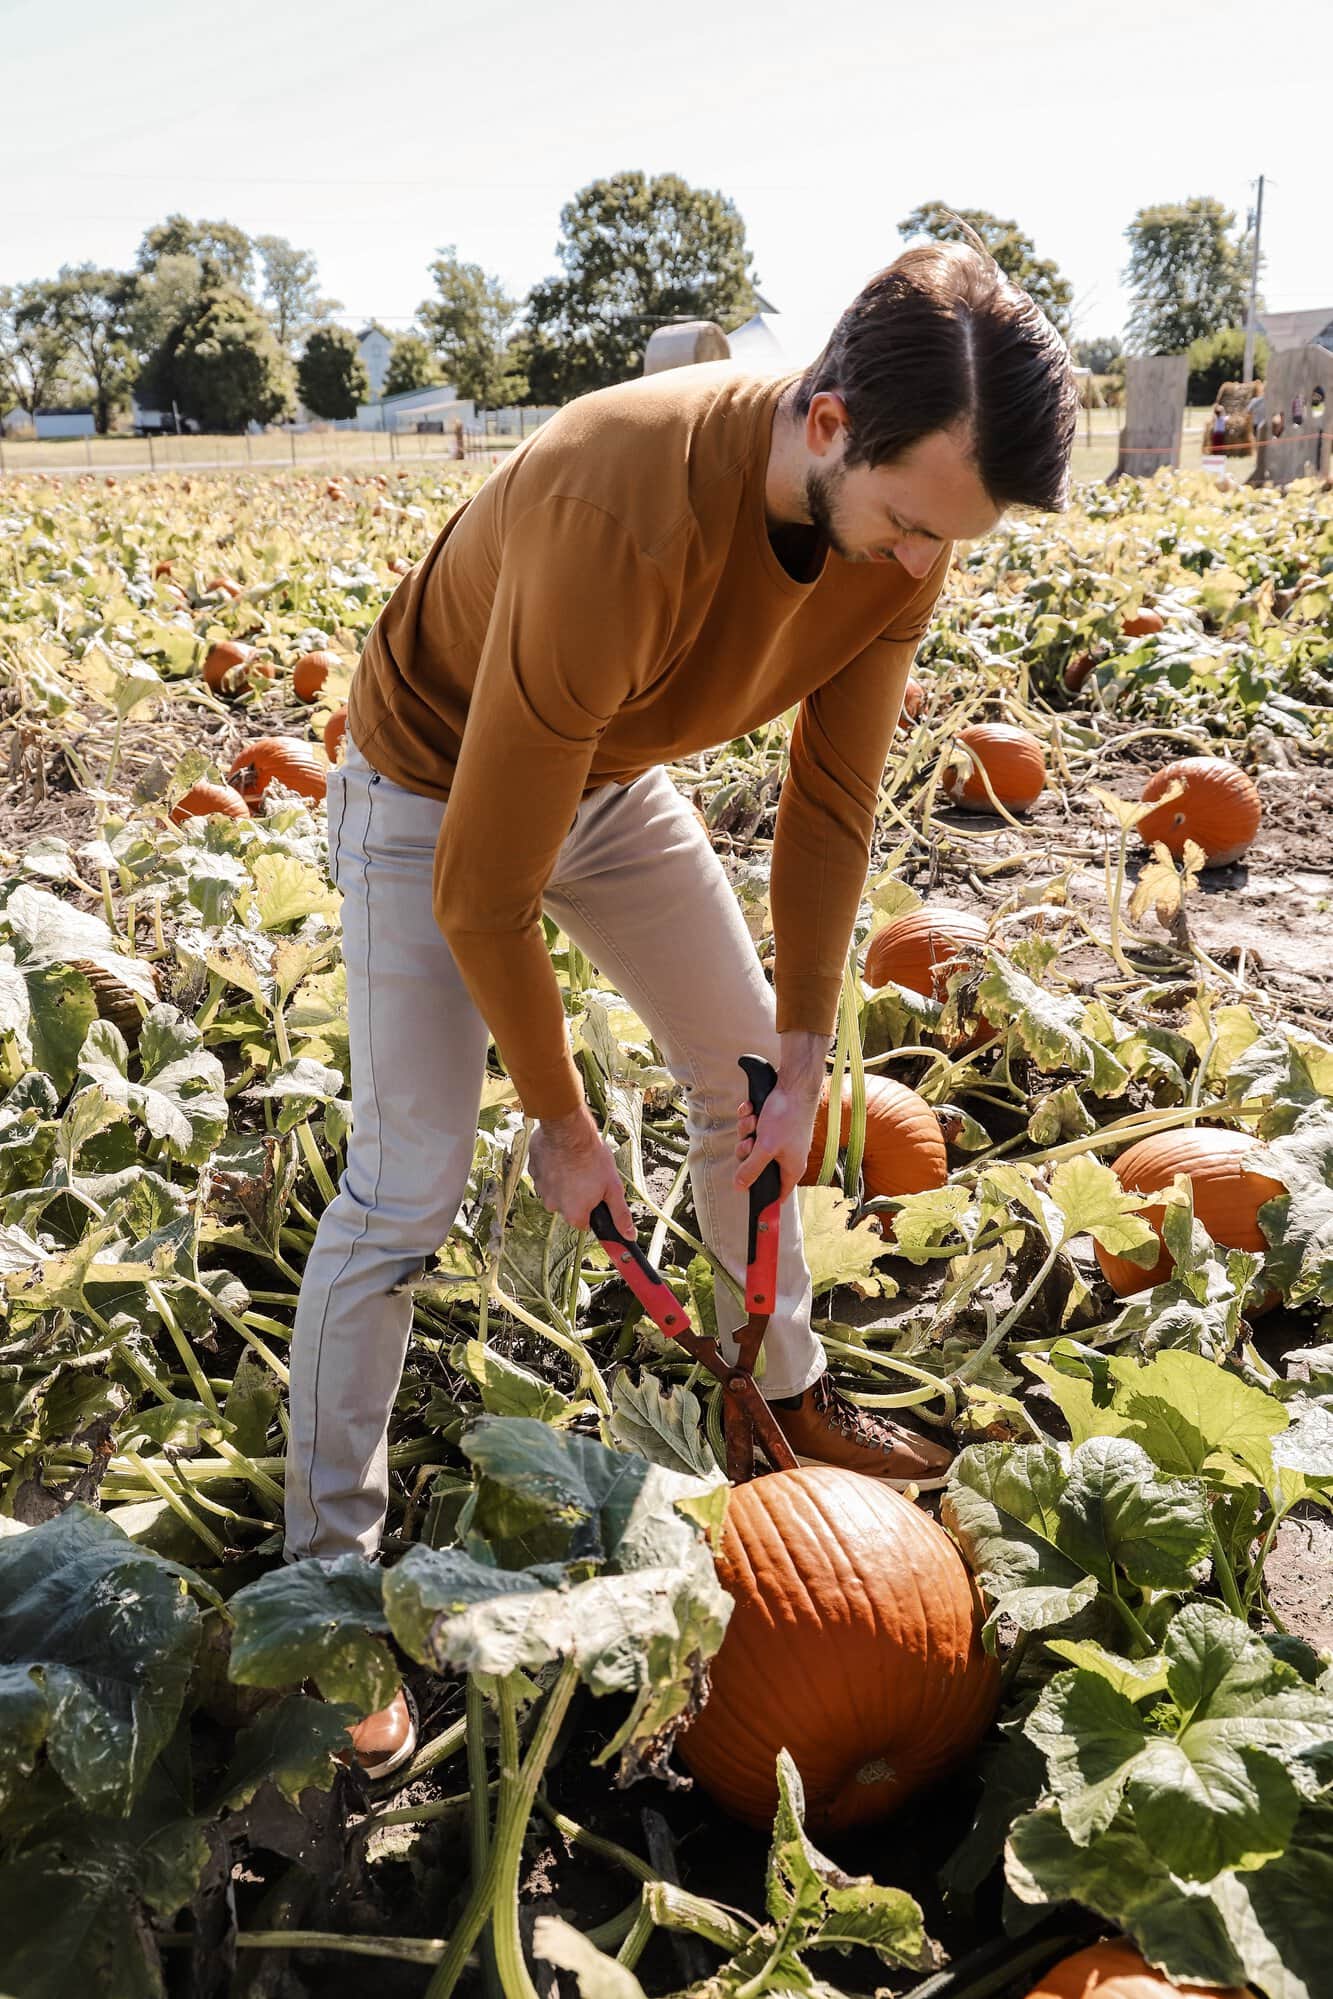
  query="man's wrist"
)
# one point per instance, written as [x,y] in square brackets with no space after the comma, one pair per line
[802,1062]
[572,1130]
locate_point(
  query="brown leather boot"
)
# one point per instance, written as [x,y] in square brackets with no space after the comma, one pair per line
[384,1741]
[824,1428]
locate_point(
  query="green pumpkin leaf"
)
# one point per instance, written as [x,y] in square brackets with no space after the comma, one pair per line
[179,1094]
[661,1422]
[1051,1027]
[104,1635]
[1299,1224]
[836,1254]
[317,1620]
[294,1746]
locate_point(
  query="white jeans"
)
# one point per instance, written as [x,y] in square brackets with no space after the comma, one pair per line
[637,886]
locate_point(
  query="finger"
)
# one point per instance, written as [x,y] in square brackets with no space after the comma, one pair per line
[754,1165]
[624,1220]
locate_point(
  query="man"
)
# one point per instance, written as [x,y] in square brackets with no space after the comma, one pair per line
[665,566]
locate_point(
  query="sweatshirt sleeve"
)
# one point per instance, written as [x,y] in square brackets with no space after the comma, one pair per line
[579,619]
[826,813]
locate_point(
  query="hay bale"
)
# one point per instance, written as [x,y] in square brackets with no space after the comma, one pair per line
[682,345]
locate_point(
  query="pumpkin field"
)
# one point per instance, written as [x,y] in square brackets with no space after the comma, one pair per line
[1075,1219]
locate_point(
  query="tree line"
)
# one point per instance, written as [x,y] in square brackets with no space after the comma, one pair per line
[230,329]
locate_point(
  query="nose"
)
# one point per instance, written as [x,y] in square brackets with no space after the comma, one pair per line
[915,555]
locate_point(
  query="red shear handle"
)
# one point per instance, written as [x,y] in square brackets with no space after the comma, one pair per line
[761,1245]
[629,1261]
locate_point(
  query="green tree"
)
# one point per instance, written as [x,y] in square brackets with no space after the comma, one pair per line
[412,365]
[221,363]
[158,300]
[291,292]
[91,305]
[1013,251]
[634,254]
[331,375]
[1218,358]
[1098,353]
[35,348]
[1187,273]
[467,323]
[219,243]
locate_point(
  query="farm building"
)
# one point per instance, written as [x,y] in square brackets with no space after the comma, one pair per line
[54,422]
[1311,328]
[375,345]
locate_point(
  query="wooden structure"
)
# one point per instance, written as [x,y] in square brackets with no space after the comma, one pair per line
[1154,414]
[689,341]
[1303,450]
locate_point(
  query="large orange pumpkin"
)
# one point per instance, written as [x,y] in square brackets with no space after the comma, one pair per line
[334,731]
[201,801]
[1142,624]
[284,758]
[904,1148]
[854,1643]
[1013,761]
[1228,1194]
[1219,809]
[312,669]
[1114,1970]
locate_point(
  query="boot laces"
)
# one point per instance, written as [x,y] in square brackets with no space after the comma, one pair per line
[853,1423]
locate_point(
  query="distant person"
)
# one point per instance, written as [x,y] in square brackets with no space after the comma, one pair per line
[1256,409]
[458,437]
[1279,423]
[1317,406]
[1218,434]
[1297,410]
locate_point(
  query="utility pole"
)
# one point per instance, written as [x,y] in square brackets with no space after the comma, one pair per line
[1251,326]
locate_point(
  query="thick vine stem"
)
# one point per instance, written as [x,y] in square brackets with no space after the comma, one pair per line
[500,1877]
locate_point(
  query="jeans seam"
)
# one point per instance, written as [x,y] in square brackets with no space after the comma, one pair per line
[379,1171]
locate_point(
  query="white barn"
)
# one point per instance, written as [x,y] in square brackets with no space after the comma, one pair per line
[375,345]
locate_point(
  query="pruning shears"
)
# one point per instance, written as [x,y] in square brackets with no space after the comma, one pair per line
[746,1415]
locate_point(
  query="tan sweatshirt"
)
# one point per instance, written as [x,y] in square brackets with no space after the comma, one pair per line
[608,601]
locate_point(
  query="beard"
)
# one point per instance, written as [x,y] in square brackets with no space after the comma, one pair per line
[822,494]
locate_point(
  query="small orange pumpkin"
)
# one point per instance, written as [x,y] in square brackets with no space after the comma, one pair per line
[914,700]
[1115,1970]
[1012,760]
[399,565]
[1228,1194]
[202,801]
[1077,670]
[904,1149]
[312,669]
[1219,809]
[334,731]
[226,654]
[161,569]
[227,584]
[284,758]
[1142,624]
[854,1643]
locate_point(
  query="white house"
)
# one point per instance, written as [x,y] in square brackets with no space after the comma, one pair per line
[375,345]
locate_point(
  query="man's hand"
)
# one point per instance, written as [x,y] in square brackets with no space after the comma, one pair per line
[573,1168]
[783,1129]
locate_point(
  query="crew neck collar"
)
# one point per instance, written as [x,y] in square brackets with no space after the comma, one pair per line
[760,445]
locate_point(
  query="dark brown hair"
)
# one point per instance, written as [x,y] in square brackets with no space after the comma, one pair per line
[943,337]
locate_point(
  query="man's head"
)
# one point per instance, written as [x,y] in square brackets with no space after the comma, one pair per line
[943,396]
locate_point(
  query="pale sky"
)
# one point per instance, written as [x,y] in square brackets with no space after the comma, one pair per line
[373,137]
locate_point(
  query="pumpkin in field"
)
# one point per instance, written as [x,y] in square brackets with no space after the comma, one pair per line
[1219,809]
[226,584]
[923,950]
[914,700]
[285,759]
[1142,624]
[1228,1194]
[1013,761]
[399,565]
[1077,670]
[227,654]
[854,1643]
[904,1149]
[201,801]
[1114,1970]
[161,569]
[334,731]
[312,669]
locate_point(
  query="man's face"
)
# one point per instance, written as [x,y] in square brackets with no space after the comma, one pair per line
[902,512]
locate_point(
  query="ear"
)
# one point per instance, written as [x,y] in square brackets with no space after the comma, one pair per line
[825,422]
